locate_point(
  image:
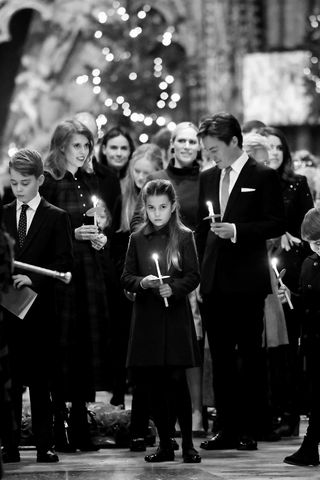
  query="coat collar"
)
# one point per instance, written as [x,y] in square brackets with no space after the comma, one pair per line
[149,230]
[193,170]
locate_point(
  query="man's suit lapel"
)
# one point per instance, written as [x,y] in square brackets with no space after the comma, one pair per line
[242,180]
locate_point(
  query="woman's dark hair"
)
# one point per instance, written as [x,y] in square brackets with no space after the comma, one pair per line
[113,133]
[286,170]
[222,125]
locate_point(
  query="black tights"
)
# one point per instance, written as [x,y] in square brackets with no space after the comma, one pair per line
[166,390]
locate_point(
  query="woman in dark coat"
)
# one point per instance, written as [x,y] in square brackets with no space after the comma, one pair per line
[290,252]
[162,340]
[84,310]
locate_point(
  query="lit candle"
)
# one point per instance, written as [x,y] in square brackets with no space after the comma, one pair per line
[274,262]
[95,203]
[210,209]
[155,257]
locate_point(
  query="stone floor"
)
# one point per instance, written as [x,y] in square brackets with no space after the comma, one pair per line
[121,464]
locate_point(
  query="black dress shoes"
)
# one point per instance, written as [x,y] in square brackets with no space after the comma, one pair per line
[307,455]
[48,456]
[10,456]
[219,442]
[191,456]
[247,443]
[160,455]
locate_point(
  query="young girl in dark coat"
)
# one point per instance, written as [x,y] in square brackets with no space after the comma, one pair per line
[162,340]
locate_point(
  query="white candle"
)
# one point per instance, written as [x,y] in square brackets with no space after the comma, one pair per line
[155,257]
[274,262]
[95,203]
[210,209]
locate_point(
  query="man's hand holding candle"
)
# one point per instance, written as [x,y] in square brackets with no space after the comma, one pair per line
[222,229]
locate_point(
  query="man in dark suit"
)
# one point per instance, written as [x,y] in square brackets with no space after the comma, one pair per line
[235,275]
[42,235]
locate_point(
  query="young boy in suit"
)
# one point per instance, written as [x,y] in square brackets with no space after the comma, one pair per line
[42,234]
[309,290]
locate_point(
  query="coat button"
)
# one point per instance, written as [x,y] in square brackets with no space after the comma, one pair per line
[315,264]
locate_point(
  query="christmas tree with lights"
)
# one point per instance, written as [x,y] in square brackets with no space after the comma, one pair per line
[139,80]
[312,71]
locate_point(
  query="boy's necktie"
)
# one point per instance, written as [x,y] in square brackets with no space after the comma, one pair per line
[22,227]
[225,190]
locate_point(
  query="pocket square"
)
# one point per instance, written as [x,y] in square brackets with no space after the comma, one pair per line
[244,189]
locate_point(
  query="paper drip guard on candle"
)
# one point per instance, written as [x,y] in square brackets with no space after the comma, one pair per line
[95,210]
[274,262]
[155,257]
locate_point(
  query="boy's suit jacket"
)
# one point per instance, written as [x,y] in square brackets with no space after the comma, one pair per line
[48,244]
[255,206]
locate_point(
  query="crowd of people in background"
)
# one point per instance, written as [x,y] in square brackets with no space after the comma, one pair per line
[100,206]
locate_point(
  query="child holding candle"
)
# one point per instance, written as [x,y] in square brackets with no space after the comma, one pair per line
[309,292]
[162,340]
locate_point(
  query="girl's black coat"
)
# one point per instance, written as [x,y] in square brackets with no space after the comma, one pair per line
[161,336]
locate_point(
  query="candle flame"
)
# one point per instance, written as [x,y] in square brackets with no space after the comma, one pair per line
[155,256]
[274,262]
[94,200]
[210,208]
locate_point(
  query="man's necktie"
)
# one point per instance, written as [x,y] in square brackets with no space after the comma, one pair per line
[22,227]
[225,190]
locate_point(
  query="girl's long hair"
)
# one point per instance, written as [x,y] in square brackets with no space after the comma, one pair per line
[176,227]
[129,191]
[55,162]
